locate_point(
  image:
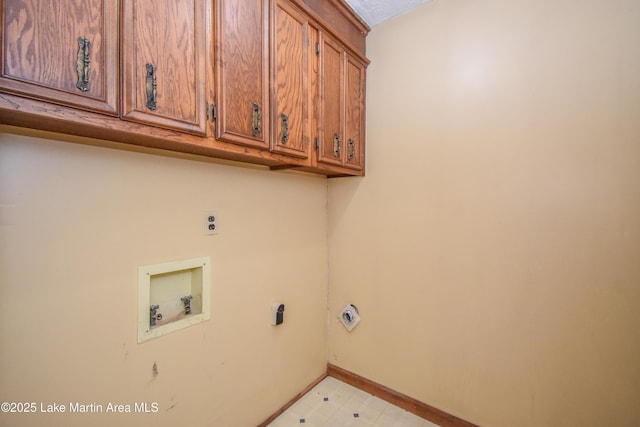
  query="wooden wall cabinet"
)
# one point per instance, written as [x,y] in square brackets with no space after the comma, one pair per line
[272,82]
[242,72]
[62,51]
[163,63]
[341,115]
[290,85]
[355,75]
[332,106]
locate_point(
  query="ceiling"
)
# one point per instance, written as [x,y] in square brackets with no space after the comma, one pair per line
[374,12]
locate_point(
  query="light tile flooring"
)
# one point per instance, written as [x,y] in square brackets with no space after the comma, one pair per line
[333,403]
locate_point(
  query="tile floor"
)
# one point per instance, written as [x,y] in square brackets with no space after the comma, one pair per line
[333,403]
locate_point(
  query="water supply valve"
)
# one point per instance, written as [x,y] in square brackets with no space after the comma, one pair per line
[154,315]
[187,304]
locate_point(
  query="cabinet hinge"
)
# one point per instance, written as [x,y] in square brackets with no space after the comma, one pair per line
[212,113]
[316,143]
[317,48]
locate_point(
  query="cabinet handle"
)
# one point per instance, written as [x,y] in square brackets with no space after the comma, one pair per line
[82,64]
[152,87]
[212,113]
[285,128]
[255,119]
[337,144]
[351,149]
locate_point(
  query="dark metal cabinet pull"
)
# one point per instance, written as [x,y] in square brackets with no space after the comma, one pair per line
[212,113]
[337,144]
[82,64]
[256,126]
[152,87]
[285,128]
[351,149]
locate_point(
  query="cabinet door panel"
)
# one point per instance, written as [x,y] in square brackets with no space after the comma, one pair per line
[314,87]
[242,72]
[290,82]
[354,114]
[331,102]
[164,63]
[43,58]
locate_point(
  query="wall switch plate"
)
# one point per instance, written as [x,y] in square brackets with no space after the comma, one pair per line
[211,223]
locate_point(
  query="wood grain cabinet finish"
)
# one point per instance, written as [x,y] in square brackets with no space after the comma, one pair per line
[290,85]
[164,63]
[332,105]
[269,82]
[242,72]
[61,51]
[342,103]
[355,72]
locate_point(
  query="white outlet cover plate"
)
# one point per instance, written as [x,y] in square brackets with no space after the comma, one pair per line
[208,222]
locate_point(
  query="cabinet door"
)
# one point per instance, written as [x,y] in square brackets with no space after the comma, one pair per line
[354,113]
[61,51]
[163,50]
[242,72]
[290,86]
[331,118]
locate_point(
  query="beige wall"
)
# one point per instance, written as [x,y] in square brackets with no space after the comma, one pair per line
[77,221]
[494,247]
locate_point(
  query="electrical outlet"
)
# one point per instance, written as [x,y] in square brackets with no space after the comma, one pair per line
[211,223]
[277,314]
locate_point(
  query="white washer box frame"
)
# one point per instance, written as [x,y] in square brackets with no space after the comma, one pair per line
[145,276]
